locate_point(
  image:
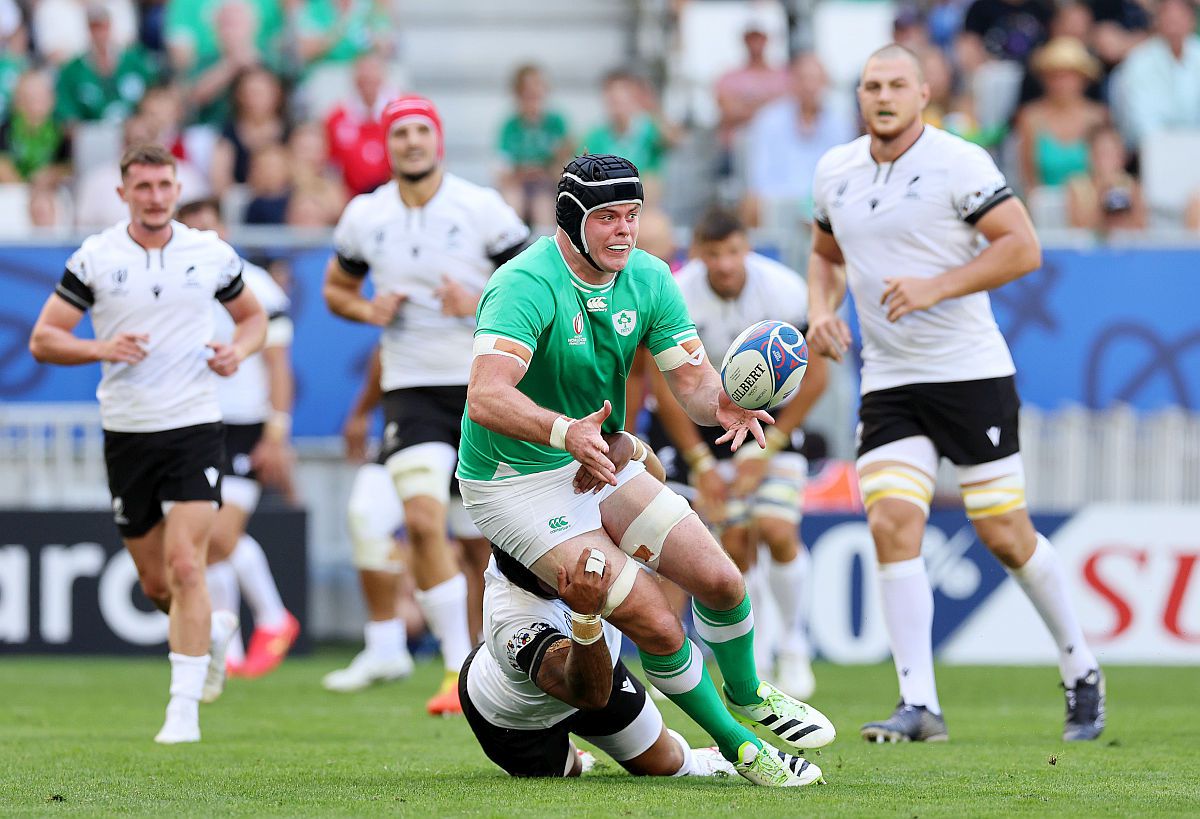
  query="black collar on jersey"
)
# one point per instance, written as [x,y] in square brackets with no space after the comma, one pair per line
[518,575]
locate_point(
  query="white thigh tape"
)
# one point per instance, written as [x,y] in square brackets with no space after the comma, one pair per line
[423,469]
[621,587]
[240,492]
[645,536]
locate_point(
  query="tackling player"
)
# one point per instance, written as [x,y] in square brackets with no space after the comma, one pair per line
[757,494]
[149,282]
[558,329]
[925,225]
[256,406]
[429,241]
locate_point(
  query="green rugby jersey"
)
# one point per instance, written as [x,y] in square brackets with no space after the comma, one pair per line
[583,338]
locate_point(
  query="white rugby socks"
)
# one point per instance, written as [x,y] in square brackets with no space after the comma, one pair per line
[385,639]
[224,594]
[258,584]
[1044,583]
[908,613]
[187,682]
[445,610]
[789,586]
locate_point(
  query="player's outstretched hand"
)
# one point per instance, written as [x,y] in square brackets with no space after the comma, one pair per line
[384,307]
[829,336]
[124,348]
[586,444]
[225,358]
[739,422]
[620,452]
[457,301]
[904,296]
[583,586]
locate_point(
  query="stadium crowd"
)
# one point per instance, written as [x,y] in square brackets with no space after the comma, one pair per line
[273,106]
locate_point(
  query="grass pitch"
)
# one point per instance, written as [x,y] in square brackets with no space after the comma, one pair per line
[76,738]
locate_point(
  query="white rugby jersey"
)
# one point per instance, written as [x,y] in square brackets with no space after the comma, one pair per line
[498,680]
[245,396]
[166,293]
[771,291]
[914,217]
[457,234]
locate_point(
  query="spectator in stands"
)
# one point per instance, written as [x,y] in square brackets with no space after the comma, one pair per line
[32,144]
[330,36]
[354,132]
[258,120]
[308,209]
[1007,30]
[634,127]
[1191,219]
[1118,27]
[211,42]
[742,92]
[311,174]
[910,30]
[1106,198]
[1157,87]
[61,27]
[1052,130]
[47,209]
[270,185]
[1071,19]
[784,142]
[14,52]
[533,145]
[97,204]
[106,81]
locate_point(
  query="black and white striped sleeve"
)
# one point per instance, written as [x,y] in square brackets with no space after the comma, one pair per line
[74,291]
[978,186]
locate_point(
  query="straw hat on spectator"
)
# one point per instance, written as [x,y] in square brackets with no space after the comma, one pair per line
[1066,54]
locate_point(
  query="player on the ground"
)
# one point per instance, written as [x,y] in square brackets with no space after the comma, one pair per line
[549,667]
[558,328]
[925,225]
[149,282]
[256,406]
[374,514]
[757,494]
[429,241]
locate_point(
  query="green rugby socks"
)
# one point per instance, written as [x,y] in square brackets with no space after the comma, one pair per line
[730,635]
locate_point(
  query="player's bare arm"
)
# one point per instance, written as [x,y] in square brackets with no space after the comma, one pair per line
[828,334]
[53,340]
[343,295]
[249,334]
[1013,251]
[493,401]
[358,420]
[272,456]
[697,388]
[623,447]
[579,671]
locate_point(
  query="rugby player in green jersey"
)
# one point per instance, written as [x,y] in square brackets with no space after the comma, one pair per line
[557,328]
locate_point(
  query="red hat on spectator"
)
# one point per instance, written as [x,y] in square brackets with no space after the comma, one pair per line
[414,107]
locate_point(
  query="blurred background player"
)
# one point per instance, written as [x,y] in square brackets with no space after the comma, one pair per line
[904,209]
[163,440]
[375,514]
[429,241]
[755,496]
[256,404]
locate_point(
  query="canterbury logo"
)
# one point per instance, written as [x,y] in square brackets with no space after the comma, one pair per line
[597,303]
[558,523]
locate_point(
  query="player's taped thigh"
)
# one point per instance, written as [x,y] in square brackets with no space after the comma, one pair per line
[243,493]
[780,496]
[621,587]
[423,469]
[993,488]
[374,514]
[644,537]
[901,470]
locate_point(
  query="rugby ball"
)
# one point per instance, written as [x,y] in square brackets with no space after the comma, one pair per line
[764,365]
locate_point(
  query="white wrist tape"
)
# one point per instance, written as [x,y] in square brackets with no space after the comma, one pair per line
[590,625]
[558,433]
[638,443]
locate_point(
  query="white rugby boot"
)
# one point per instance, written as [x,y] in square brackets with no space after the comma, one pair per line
[224,626]
[366,669]
[771,768]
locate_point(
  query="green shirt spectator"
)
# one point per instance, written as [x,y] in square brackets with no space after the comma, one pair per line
[340,31]
[642,143]
[30,139]
[191,24]
[532,144]
[86,93]
[11,68]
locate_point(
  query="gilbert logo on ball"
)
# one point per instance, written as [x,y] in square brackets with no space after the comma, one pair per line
[764,365]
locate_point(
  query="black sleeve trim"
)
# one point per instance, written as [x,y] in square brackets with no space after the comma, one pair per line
[278,314]
[995,199]
[530,657]
[354,267]
[75,292]
[824,225]
[508,253]
[232,290]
